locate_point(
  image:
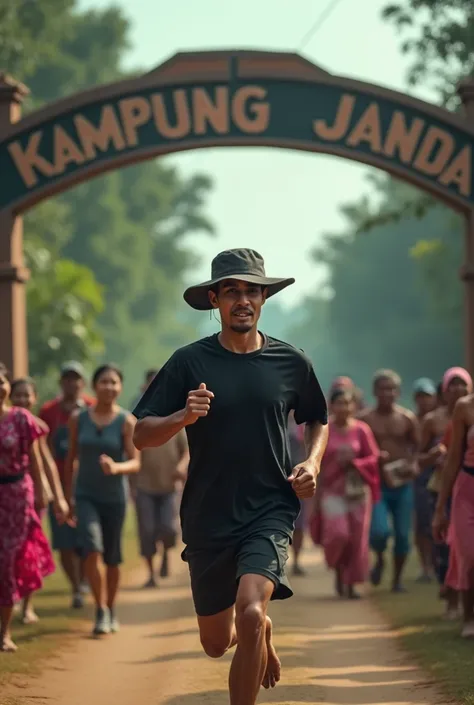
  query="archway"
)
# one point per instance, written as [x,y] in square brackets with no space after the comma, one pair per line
[222,98]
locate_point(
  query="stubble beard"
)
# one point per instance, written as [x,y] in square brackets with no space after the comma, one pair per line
[242,328]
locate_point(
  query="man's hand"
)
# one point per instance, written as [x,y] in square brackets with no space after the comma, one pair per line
[303,479]
[410,469]
[72,518]
[437,455]
[109,466]
[198,404]
[61,511]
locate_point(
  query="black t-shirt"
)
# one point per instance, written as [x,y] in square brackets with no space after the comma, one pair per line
[237,479]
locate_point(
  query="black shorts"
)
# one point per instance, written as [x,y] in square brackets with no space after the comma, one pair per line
[99,528]
[215,573]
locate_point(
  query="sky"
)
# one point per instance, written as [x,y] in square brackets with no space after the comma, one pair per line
[278,202]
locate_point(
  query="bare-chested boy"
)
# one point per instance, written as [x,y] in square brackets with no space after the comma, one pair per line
[397,432]
[425,398]
[431,458]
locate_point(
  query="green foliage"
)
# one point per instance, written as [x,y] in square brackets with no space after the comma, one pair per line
[30,32]
[386,308]
[438,262]
[396,299]
[440,40]
[129,228]
[64,300]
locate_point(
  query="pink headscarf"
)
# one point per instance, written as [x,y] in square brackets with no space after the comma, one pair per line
[459,372]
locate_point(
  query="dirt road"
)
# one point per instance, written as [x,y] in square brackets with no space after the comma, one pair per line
[332,652]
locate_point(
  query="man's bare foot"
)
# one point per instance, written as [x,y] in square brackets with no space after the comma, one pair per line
[272,674]
[7,645]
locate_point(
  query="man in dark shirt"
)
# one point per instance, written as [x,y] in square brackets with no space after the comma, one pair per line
[233,393]
[56,414]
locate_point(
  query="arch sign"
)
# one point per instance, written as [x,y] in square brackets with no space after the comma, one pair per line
[221,99]
[230,98]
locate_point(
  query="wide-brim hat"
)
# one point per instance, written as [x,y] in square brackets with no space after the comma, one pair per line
[242,264]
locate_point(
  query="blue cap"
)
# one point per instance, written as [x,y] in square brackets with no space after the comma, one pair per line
[73,367]
[424,385]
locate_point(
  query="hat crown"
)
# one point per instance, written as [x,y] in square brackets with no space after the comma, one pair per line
[238,261]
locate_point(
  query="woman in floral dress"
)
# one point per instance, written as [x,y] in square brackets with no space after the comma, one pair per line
[23,395]
[25,556]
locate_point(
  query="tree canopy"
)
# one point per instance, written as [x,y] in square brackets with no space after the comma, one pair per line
[108,257]
[396,299]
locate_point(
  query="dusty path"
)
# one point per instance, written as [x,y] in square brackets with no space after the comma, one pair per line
[332,652]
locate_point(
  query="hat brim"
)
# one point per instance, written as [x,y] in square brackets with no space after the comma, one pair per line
[429,391]
[198,296]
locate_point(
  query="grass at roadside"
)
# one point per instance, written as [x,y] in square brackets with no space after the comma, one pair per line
[57,620]
[434,643]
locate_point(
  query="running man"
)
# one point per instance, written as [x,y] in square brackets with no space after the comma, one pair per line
[233,392]
[56,414]
[397,433]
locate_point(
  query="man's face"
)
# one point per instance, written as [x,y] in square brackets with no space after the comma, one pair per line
[425,402]
[386,392]
[239,304]
[72,385]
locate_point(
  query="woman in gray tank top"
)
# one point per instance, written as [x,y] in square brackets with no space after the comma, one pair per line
[101,442]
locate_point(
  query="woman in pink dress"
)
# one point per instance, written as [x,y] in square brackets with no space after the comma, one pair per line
[25,556]
[347,487]
[457,480]
[23,395]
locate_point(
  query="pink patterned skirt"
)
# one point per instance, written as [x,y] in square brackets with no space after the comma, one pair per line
[460,574]
[344,536]
[25,555]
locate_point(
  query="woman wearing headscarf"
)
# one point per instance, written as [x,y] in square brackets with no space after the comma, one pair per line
[455,384]
[454,484]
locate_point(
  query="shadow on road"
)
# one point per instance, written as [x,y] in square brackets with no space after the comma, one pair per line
[331,652]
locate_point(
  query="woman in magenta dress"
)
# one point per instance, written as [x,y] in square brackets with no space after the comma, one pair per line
[348,485]
[457,480]
[23,395]
[25,556]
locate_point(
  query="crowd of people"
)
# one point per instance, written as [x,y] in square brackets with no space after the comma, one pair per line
[76,462]
[386,474]
[239,422]
[392,473]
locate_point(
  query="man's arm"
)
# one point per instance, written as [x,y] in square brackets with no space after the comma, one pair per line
[303,476]
[154,431]
[315,438]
